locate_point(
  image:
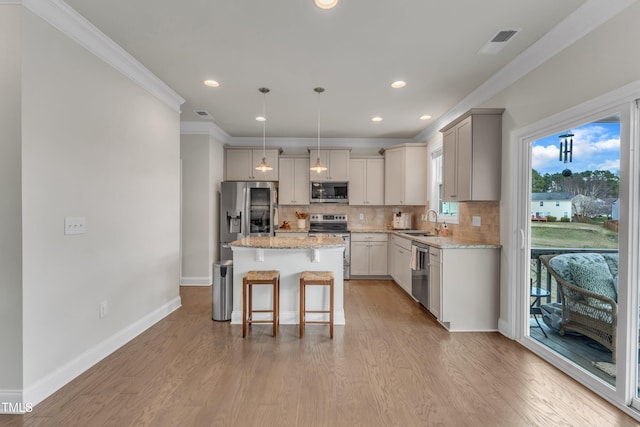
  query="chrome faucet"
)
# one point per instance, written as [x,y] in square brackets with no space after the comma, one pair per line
[438,226]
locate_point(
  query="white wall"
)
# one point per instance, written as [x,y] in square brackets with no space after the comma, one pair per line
[10,205]
[202,172]
[216,176]
[599,62]
[95,145]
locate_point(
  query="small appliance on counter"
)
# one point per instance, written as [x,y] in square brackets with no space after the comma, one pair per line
[402,221]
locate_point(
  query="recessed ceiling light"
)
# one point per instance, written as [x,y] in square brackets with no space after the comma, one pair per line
[398,84]
[326,4]
[425,117]
[376,119]
[211,83]
[261,119]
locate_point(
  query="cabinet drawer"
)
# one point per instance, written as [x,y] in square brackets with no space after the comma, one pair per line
[368,237]
[402,242]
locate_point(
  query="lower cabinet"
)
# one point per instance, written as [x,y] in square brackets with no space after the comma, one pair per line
[464,288]
[369,254]
[400,262]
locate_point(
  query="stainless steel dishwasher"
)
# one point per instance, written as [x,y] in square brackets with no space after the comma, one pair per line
[420,274]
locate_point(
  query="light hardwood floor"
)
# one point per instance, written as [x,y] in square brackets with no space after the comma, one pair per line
[391,365]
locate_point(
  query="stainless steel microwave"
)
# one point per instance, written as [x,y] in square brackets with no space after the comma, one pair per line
[329,192]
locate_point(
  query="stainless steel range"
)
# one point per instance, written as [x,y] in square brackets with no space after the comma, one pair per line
[333,225]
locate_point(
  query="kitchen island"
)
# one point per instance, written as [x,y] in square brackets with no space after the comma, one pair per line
[290,256]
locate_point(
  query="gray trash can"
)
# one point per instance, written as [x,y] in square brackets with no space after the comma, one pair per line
[222,299]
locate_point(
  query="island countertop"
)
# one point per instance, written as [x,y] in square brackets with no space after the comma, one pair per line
[289,242]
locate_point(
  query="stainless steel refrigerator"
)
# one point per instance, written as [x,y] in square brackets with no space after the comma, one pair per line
[246,209]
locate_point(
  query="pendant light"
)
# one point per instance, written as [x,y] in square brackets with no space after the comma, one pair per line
[264,166]
[318,167]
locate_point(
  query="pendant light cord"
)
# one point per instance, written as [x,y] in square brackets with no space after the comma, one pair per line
[318,152]
[264,124]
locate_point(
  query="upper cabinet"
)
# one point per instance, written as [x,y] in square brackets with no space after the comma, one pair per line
[405,175]
[293,188]
[336,161]
[366,181]
[471,156]
[240,164]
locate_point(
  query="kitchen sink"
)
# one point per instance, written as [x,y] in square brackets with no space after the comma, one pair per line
[418,233]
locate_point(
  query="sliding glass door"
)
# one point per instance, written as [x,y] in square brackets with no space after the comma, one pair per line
[577,236]
[574,228]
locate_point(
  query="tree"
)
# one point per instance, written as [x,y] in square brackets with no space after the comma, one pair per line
[537,182]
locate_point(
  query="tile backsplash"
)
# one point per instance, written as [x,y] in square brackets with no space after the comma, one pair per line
[381,217]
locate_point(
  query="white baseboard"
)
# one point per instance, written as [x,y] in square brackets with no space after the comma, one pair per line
[54,381]
[505,329]
[11,402]
[196,281]
[290,317]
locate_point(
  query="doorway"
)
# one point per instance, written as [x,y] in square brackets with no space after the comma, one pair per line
[575,181]
[619,106]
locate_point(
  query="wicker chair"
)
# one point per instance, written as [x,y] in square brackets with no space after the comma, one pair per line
[583,311]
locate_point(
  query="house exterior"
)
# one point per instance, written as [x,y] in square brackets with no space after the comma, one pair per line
[52,168]
[551,204]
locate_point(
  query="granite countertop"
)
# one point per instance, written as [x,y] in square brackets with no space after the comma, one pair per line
[450,242]
[284,242]
[435,241]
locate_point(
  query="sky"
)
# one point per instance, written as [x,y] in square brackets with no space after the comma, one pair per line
[596,146]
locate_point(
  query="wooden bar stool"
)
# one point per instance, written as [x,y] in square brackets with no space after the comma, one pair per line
[253,278]
[318,278]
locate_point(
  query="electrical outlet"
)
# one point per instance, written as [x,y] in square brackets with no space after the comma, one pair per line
[361,216]
[103,309]
[475,221]
[77,225]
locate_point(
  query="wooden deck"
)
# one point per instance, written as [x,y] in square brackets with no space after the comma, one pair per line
[579,349]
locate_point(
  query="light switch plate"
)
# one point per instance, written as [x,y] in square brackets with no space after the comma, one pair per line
[475,221]
[75,225]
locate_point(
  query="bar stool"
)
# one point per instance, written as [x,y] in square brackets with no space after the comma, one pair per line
[318,278]
[254,278]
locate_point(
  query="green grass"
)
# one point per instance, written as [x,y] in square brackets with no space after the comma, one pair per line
[572,235]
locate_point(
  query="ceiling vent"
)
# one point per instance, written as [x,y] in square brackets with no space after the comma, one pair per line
[498,41]
[203,114]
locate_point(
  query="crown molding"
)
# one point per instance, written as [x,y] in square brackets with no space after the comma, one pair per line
[62,17]
[581,22]
[296,143]
[205,128]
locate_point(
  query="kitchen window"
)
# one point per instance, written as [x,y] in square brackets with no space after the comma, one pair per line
[447,211]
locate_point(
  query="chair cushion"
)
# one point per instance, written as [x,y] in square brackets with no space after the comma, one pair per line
[597,276]
[594,277]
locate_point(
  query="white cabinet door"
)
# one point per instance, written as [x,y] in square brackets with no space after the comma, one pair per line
[238,165]
[435,282]
[378,259]
[301,181]
[405,175]
[405,271]
[336,161]
[359,258]
[366,182]
[471,156]
[286,186]
[394,177]
[293,188]
[374,193]
[339,165]
[357,181]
